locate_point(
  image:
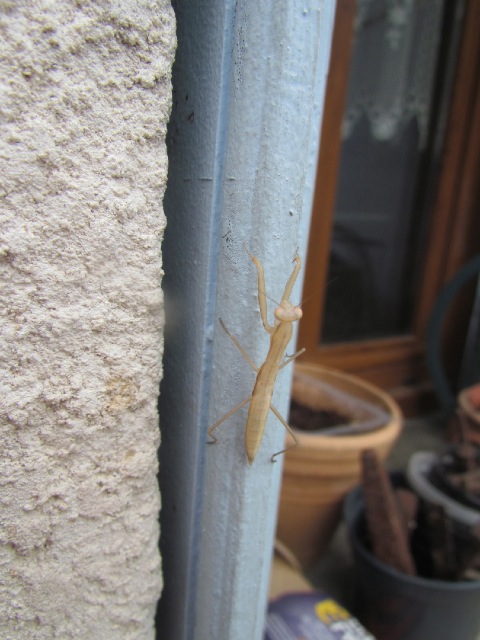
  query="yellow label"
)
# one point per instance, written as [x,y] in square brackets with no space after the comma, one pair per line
[330,611]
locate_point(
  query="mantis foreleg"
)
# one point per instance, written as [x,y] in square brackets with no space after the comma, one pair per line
[262,293]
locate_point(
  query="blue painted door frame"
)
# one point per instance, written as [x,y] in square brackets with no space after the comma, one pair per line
[249,82]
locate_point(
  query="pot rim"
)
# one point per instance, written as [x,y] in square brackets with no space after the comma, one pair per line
[382,435]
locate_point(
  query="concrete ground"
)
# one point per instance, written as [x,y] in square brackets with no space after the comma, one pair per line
[419,434]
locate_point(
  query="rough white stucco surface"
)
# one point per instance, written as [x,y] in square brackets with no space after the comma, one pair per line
[85,99]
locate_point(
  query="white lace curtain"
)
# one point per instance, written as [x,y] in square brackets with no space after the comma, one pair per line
[393,66]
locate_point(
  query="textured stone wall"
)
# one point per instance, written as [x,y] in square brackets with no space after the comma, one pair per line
[85,99]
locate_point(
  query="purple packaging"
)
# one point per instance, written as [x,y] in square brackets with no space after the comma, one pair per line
[311,616]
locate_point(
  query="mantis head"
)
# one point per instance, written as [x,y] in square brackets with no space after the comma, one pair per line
[287,312]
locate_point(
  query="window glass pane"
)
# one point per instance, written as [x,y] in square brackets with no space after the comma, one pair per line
[384,157]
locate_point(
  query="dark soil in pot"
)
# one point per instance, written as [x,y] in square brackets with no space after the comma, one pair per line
[306,419]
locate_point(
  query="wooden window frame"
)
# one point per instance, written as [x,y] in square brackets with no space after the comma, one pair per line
[453,236]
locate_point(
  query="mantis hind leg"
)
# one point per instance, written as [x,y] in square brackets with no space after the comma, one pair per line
[278,415]
[225,417]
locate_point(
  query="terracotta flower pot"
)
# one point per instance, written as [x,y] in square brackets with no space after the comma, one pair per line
[323,468]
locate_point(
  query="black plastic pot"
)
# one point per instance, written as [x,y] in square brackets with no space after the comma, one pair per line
[394,606]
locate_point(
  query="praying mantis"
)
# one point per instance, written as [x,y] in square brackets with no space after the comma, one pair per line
[280,335]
